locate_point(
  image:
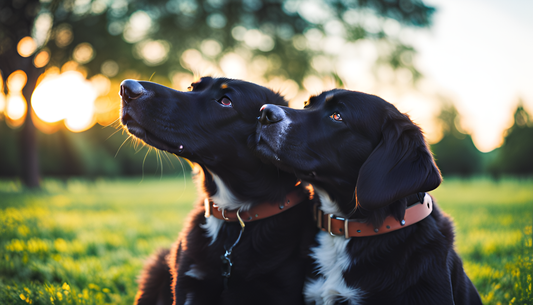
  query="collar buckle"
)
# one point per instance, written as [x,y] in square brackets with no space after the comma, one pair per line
[345,220]
[257,212]
[320,217]
[354,228]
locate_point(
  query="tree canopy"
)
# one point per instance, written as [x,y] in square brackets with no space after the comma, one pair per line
[113,40]
[514,157]
[455,153]
[122,37]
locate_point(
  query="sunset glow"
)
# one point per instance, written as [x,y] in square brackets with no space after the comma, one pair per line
[15,105]
[41,59]
[67,96]
[2,96]
[2,102]
[16,81]
[26,46]
[485,76]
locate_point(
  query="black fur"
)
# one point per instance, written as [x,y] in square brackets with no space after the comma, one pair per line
[367,163]
[270,261]
[155,280]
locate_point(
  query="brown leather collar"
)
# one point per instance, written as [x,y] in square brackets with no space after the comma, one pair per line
[338,226]
[257,212]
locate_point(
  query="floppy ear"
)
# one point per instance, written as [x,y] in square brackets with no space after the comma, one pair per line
[400,165]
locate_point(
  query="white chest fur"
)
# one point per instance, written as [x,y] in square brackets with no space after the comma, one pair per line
[224,199]
[332,260]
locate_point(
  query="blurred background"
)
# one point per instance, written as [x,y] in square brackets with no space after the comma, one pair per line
[460,69]
[82,205]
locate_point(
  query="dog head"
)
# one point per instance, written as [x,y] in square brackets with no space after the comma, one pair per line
[208,125]
[357,147]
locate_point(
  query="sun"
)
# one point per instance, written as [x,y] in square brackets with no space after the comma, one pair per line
[67,96]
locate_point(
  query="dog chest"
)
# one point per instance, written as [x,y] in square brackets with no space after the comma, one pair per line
[332,261]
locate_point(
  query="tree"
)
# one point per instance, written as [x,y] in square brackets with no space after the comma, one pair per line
[455,153]
[514,157]
[122,39]
[16,21]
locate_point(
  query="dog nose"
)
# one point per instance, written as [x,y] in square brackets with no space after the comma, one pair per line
[271,114]
[130,89]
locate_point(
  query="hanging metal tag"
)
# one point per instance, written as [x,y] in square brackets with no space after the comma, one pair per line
[226,258]
[226,264]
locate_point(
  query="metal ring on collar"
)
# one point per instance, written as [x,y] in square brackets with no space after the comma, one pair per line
[240,219]
[224,215]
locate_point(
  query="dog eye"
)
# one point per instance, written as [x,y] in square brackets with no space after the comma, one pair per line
[306,103]
[226,102]
[336,116]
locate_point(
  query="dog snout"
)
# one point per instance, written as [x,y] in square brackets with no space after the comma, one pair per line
[271,114]
[130,90]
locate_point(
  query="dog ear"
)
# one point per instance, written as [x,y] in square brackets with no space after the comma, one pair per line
[400,165]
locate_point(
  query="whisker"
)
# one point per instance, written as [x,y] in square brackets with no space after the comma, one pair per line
[156,160]
[184,179]
[122,145]
[164,153]
[161,162]
[144,160]
[115,122]
[139,145]
[158,154]
[113,134]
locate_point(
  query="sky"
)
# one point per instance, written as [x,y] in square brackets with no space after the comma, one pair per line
[479,54]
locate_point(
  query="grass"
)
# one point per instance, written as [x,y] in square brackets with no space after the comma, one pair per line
[493,222]
[84,242]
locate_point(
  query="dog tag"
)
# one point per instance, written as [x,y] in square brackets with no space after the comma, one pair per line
[226,267]
[226,264]
[226,258]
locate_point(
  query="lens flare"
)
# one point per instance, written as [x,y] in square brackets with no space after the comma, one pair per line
[26,46]
[16,81]
[67,96]
[16,106]
[2,103]
[83,53]
[41,59]
[2,96]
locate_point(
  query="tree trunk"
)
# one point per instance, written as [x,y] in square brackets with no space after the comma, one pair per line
[28,137]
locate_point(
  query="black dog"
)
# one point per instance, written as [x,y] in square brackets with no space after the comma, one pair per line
[369,165]
[251,253]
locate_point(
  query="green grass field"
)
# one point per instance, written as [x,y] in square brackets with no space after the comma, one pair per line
[84,242]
